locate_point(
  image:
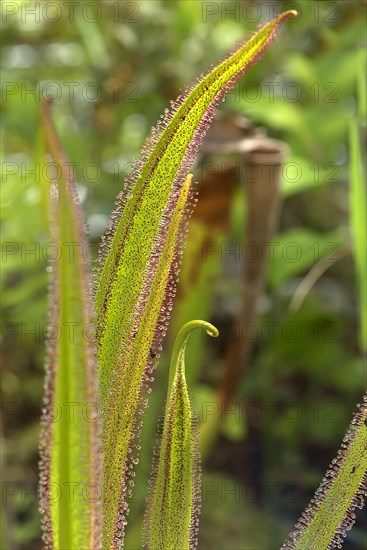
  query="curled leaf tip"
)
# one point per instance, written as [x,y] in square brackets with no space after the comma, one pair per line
[290,13]
[180,344]
[185,330]
[211,330]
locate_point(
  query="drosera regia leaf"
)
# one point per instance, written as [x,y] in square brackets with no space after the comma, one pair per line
[171,519]
[330,514]
[131,254]
[69,447]
[120,427]
[358,221]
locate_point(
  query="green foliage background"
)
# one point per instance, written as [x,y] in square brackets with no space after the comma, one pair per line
[269,458]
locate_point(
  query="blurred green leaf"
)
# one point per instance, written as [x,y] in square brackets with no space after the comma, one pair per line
[358,218]
[291,253]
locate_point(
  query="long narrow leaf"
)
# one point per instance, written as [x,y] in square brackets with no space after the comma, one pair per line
[330,513]
[69,462]
[358,219]
[120,424]
[171,518]
[131,315]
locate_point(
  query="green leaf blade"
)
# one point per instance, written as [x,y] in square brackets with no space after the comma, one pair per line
[330,513]
[69,447]
[169,156]
[171,517]
[119,427]
[134,247]
[358,220]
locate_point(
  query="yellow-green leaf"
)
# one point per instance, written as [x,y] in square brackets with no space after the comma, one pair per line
[172,516]
[331,512]
[69,449]
[135,285]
